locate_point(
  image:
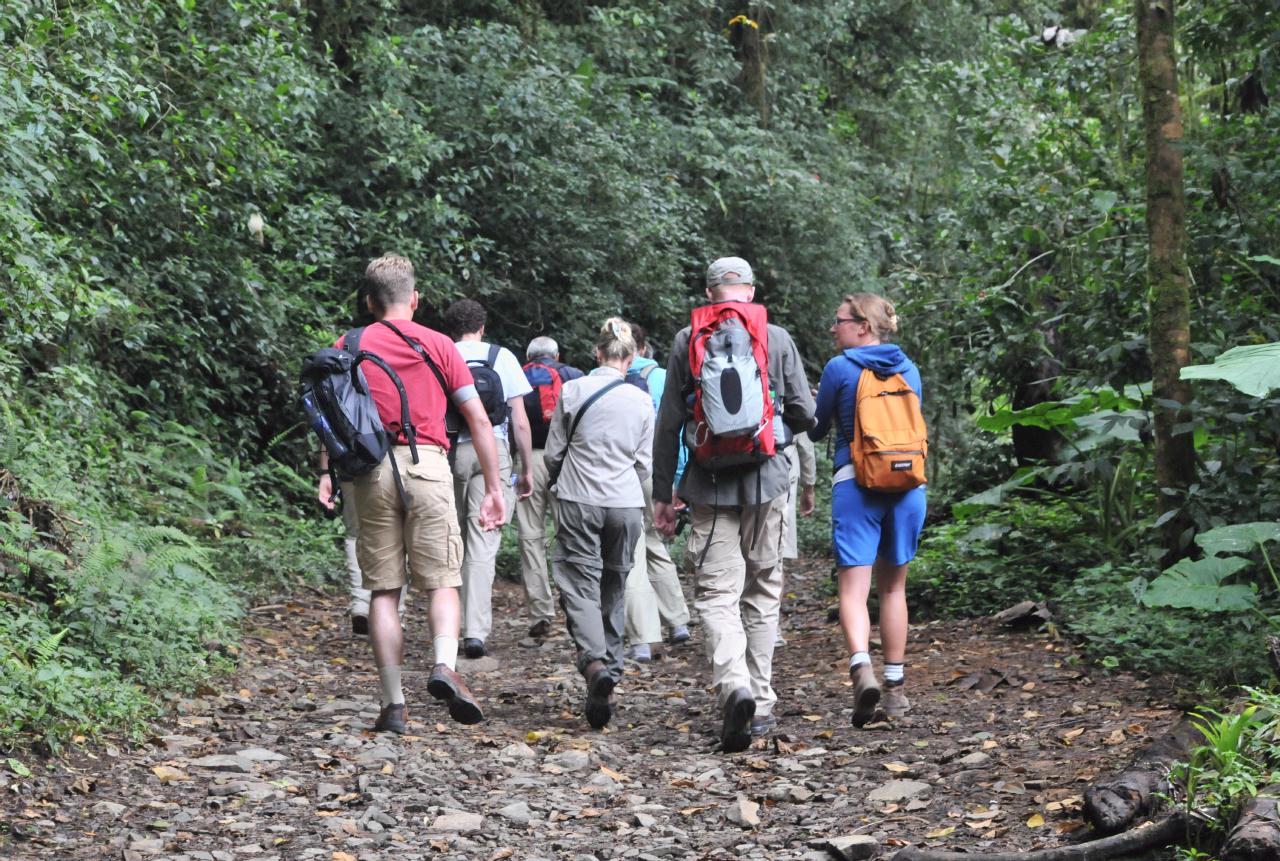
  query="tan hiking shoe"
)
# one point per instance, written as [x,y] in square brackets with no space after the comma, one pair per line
[895,703]
[866,693]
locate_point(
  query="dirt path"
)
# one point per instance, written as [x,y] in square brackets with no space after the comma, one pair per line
[1006,731]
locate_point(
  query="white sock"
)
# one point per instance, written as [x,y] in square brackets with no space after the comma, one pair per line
[893,674]
[446,649]
[859,658]
[389,683]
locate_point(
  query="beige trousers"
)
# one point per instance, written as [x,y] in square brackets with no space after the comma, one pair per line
[531,526]
[654,595]
[480,548]
[739,587]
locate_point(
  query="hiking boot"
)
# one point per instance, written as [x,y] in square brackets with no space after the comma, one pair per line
[448,686]
[895,703]
[866,693]
[598,707]
[679,634]
[640,653]
[392,719]
[473,648]
[735,732]
[778,641]
[359,626]
[539,629]
[763,725]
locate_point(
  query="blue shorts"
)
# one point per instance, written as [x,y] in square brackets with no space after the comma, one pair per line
[866,524]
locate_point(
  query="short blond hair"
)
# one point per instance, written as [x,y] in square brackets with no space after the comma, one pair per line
[616,340]
[390,280]
[876,310]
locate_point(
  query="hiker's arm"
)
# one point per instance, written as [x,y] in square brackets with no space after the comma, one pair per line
[797,401]
[493,510]
[324,490]
[557,442]
[808,475]
[524,445]
[828,391]
[671,415]
[644,454]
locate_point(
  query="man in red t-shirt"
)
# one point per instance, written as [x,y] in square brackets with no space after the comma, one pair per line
[423,527]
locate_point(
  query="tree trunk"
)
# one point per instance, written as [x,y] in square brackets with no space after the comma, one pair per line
[1168,283]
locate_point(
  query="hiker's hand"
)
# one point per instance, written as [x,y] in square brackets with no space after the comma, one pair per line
[806,501]
[524,485]
[664,517]
[324,492]
[493,510]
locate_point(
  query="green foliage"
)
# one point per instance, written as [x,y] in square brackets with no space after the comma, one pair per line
[1198,586]
[1253,369]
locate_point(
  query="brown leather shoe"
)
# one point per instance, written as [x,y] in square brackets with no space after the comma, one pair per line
[392,718]
[866,693]
[447,685]
[895,704]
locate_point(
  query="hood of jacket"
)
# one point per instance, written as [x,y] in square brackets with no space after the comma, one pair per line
[640,363]
[880,358]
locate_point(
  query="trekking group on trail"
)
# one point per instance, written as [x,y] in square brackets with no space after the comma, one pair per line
[432,445]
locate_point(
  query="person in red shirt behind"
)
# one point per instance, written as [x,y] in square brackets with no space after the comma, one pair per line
[423,528]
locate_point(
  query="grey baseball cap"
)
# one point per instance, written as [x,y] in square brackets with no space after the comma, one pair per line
[726,271]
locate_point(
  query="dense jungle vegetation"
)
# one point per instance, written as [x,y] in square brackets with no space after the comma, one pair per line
[188,192]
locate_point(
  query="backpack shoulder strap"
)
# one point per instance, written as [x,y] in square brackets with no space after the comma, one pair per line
[492,360]
[582,410]
[426,357]
[351,340]
[406,423]
[646,371]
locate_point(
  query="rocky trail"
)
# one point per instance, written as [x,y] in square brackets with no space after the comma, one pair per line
[1006,731]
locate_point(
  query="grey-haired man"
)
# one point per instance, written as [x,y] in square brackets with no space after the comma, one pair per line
[737,528]
[543,365]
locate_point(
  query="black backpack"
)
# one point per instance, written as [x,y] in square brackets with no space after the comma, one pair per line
[488,387]
[339,408]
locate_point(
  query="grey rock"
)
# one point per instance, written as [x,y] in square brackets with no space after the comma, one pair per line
[644,820]
[854,847]
[328,790]
[975,759]
[570,760]
[518,750]
[260,754]
[153,846]
[224,762]
[743,812]
[377,754]
[518,812]
[109,808]
[487,664]
[463,823]
[897,790]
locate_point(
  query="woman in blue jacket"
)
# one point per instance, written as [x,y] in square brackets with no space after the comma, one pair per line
[872,530]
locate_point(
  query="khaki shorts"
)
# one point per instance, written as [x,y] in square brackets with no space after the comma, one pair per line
[426,533]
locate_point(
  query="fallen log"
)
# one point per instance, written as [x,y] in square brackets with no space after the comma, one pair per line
[1145,837]
[1112,805]
[1256,835]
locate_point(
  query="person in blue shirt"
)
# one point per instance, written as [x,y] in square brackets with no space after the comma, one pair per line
[871,530]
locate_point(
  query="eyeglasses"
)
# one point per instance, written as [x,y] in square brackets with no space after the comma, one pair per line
[855,319]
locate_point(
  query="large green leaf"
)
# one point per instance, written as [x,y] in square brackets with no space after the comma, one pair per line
[1253,369]
[1238,537]
[1198,586]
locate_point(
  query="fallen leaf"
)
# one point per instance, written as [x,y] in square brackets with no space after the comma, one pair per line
[1035,821]
[343,856]
[388,768]
[813,718]
[897,767]
[169,775]
[18,768]
[616,775]
[1116,737]
[940,832]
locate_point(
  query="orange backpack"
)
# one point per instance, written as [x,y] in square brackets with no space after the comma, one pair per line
[890,442]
